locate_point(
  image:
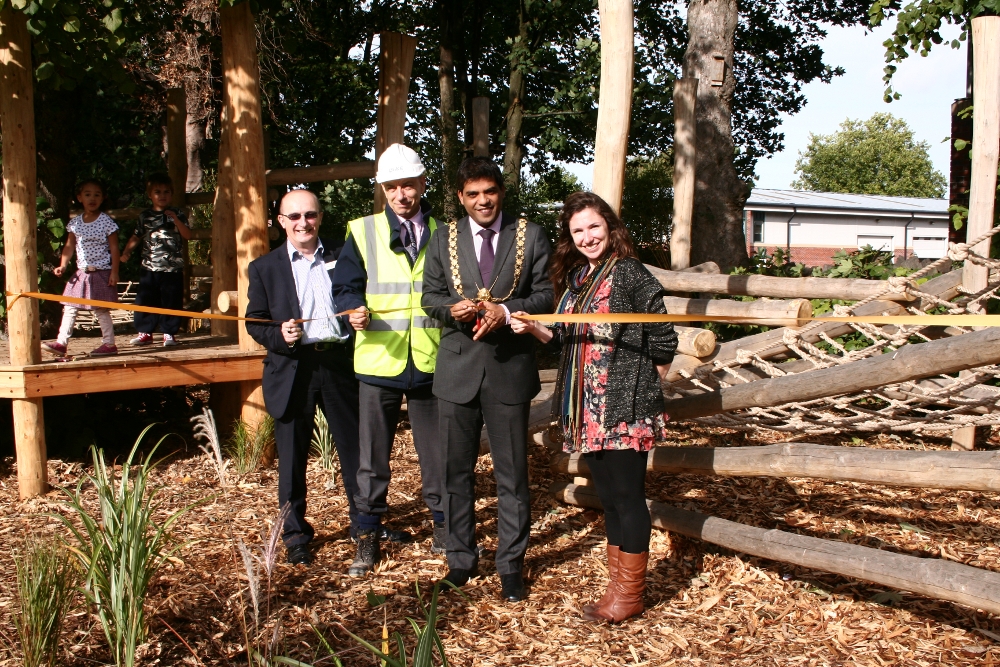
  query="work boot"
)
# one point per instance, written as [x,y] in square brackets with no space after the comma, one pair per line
[626,591]
[612,575]
[368,554]
[440,543]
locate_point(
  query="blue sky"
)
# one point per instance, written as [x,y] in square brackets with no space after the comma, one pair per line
[928,87]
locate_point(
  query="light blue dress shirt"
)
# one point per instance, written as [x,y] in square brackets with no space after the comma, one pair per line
[315,291]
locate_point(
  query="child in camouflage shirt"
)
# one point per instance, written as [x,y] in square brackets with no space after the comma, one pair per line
[160,231]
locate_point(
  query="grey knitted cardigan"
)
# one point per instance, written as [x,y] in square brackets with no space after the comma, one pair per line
[633,391]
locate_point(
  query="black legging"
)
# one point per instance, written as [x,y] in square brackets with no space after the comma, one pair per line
[620,480]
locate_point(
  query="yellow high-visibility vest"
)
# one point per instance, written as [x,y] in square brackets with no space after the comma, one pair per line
[381,349]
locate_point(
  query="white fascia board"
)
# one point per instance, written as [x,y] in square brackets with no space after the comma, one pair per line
[851,212]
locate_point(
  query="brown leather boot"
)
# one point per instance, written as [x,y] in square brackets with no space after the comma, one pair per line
[627,590]
[612,575]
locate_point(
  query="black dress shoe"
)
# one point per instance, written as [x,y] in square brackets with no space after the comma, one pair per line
[298,554]
[512,587]
[457,577]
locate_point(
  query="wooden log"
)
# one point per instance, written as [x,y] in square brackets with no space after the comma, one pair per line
[694,341]
[200,271]
[778,313]
[481,126]
[912,362]
[227,300]
[177,167]
[17,129]
[769,343]
[224,264]
[614,110]
[201,234]
[340,171]
[685,149]
[246,148]
[847,289]
[969,471]
[394,68]
[200,198]
[704,267]
[935,578]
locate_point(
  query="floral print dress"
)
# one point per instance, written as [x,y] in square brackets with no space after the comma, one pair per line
[598,351]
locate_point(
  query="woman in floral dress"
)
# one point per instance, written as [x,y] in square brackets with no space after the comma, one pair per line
[608,397]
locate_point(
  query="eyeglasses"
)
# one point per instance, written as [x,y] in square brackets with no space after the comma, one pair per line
[295,217]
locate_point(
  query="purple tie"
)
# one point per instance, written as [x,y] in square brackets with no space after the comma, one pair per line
[486,256]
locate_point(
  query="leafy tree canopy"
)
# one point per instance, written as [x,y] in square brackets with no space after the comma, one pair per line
[878,156]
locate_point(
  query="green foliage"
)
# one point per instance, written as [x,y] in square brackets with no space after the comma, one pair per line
[865,263]
[47,578]
[542,196]
[878,156]
[247,445]
[121,547]
[648,199]
[322,444]
[763,264]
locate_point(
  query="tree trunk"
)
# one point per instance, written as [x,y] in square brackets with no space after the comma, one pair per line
[195,133]
[449,132]
[514,149]
[717,230]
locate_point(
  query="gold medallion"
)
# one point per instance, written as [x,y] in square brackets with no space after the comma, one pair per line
[483,295]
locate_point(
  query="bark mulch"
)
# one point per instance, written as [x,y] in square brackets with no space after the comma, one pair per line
[705,605]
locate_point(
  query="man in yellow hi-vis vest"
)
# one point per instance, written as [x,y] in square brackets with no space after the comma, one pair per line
[380,272]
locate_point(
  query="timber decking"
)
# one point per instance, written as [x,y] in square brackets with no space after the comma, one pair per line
[199,359]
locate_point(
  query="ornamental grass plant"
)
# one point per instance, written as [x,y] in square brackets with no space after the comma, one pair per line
[248,445]
[47,580]
[121,546]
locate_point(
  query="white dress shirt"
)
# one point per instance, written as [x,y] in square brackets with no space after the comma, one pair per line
[315,291]
[477,241]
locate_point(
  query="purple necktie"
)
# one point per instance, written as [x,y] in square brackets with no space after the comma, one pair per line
[486,256]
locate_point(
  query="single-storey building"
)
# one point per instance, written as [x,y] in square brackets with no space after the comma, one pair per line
[812,226]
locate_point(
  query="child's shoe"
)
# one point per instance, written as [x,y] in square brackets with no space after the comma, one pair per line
[105,350]
[142,339]
[55,347]
[169,341]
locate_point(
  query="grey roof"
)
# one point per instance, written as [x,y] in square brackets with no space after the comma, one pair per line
[801,199]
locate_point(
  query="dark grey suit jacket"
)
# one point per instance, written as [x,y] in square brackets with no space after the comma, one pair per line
[503,359]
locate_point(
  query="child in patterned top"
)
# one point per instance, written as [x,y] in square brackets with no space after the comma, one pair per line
[161,232]
[93,236]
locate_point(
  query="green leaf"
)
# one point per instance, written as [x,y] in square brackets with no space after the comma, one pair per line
[911,528]
[960,144]
[45,70]
[113,21]
[72,25]
[375,600]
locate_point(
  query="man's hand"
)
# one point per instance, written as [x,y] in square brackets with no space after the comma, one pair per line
[291,332]
[494,317]
[464,311]
[359,319]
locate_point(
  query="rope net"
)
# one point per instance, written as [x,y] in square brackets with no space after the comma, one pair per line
[933,406]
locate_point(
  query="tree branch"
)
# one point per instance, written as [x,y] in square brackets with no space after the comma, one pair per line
[553,113]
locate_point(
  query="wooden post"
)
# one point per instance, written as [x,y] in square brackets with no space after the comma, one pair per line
[395,66]
[17,128]
[685,147]
[985,155]
[615,109]
[481,126]
[246,148]
[177,165]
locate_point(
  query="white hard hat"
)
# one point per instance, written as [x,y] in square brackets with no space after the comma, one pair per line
[398,162]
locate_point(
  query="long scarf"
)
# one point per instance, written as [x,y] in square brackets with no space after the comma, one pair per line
[582,286]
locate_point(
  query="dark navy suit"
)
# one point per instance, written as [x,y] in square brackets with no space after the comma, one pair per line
[299,378]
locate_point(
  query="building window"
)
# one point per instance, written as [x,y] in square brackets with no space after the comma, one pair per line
[758,226]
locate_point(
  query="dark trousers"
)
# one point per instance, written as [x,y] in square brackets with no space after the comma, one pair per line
[507,426]
[380,408]
[160,289]
[620,481]
[324,379]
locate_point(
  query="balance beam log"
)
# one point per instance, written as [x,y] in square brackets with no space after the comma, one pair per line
[935,578]
[339,171]
[776,313]
[847,289]
[912,362]
[968,471]
[227,300]
[694,341]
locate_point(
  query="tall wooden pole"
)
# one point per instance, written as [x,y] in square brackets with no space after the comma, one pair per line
[481,126]
[177,165]
[685,147]
[246,148]
[395,66]
[17,128]
[615,110]
[985,156]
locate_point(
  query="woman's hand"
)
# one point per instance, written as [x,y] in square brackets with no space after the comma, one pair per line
[519,326]
[59,270]
[663,370]
[113,278]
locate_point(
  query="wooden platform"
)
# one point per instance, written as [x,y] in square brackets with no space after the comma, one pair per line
[199,359]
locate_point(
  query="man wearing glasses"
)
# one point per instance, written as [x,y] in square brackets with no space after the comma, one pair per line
[308,364]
